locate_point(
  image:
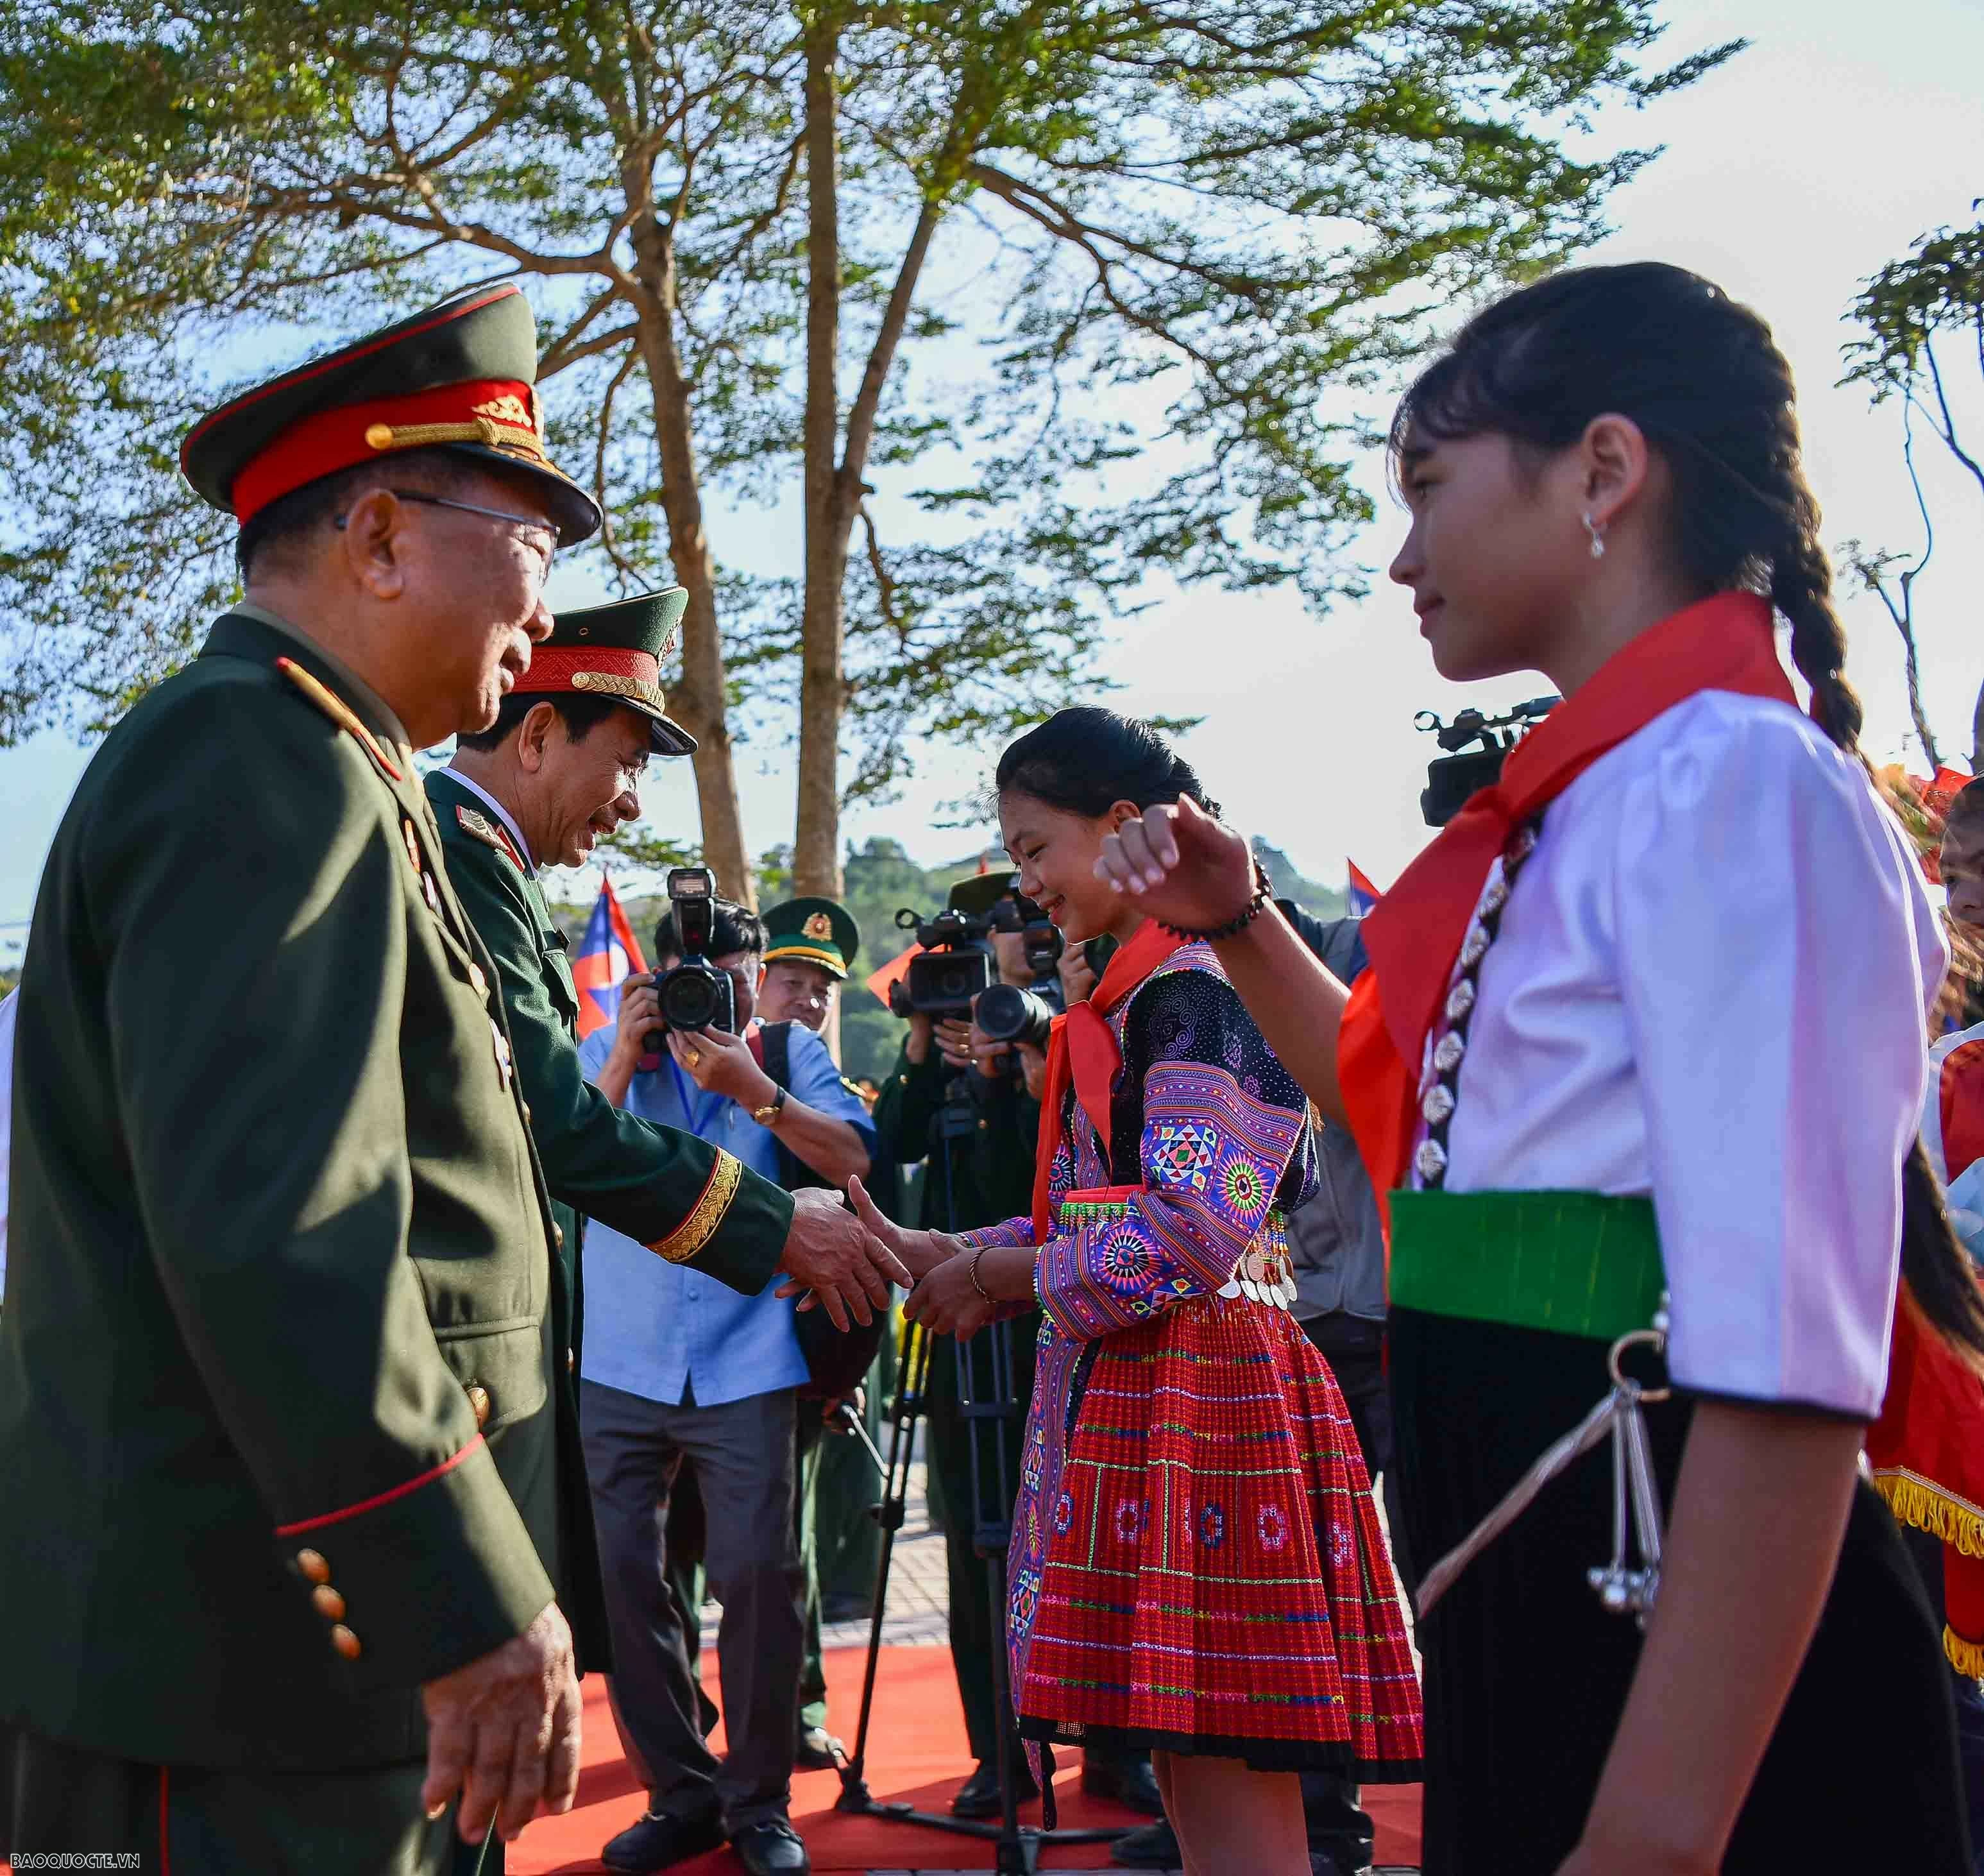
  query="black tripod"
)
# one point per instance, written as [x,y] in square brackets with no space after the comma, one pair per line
[988,1409]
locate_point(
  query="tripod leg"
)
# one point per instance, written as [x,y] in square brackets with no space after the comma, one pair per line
[895,1497]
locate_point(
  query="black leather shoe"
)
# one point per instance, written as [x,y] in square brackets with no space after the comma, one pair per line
[978,1797]
[819,1751]
[1155,1847]
[772,1848]
[1126,1781]
[658,1842]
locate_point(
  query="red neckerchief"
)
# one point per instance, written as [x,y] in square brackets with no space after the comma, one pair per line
[1083,1047]
[1414,933]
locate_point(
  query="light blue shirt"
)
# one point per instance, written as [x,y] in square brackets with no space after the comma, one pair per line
[655,1328]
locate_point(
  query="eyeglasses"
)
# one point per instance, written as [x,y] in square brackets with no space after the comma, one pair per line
[530,523]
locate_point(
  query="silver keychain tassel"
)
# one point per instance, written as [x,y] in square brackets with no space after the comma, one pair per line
[1622,1588]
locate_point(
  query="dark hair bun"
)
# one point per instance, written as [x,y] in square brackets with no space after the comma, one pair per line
[1086,759]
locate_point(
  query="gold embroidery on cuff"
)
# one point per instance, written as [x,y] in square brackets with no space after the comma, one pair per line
[701,1226]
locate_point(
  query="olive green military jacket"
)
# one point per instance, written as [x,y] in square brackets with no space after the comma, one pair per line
[278,1441]
[687,1201]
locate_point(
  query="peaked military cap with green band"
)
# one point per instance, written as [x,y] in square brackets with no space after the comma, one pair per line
[817,932]
[461,376]
[616,651]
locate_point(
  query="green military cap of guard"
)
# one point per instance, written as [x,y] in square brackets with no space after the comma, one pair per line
[616,651]
[460,376]
[821,931]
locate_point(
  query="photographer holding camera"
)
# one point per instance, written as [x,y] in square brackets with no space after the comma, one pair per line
[965,1095]
[678,1368]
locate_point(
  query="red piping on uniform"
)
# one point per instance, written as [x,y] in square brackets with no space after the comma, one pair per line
[165,1821]
[384,1498]
[303,373]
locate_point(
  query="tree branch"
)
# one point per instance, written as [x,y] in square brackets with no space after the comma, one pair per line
[601,436]
[867,403]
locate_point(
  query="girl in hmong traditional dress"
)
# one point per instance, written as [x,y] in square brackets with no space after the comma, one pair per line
[1196,1566]
[1642,1052]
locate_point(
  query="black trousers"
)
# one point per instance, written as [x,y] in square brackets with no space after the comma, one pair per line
[743,1451]
[55,1798]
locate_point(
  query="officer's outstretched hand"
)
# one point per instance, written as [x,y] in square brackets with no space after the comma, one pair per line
[503,1732]
[921,1252]
[831,1252]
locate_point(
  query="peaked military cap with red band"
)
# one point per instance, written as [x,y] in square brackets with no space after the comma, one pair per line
[616,651]
[461,376]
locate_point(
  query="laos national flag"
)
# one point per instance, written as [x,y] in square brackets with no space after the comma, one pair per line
[1361,893]
[608,954]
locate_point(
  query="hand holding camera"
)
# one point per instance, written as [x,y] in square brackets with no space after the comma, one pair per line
[721,1063]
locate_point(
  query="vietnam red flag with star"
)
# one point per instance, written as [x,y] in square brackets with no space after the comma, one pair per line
[608,954]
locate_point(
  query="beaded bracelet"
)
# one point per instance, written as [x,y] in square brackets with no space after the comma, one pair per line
[1264,891]
[975,1283]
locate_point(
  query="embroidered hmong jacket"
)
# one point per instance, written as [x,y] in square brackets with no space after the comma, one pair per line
[1208,1133]
[1210,1146]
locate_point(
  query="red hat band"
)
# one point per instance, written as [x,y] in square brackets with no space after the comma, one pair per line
[498,413]
[605,670]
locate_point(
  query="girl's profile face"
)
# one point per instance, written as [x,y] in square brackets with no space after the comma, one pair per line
[1056,853]
[1494,551]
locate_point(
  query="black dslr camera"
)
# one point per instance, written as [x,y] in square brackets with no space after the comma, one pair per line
[1451,778]
[696,994]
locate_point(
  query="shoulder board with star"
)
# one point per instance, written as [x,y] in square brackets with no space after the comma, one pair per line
[475,823]
[341,714]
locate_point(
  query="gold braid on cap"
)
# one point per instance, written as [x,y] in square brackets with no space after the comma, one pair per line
[484,430]
[637,688]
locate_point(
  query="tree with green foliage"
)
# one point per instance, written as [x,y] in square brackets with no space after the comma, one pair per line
[1143,257]
[1936,291]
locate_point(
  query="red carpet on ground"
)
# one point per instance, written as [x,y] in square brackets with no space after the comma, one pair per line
[917,1754]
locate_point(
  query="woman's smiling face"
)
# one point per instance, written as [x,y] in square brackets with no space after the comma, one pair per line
[1056,853]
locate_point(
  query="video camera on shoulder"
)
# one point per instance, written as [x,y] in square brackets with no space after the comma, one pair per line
[696,994]
[1451,778]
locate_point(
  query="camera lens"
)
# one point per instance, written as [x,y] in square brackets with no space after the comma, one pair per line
[956,983]
[1008,1014]
[689,1000]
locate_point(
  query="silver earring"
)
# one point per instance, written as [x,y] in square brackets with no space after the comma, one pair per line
[1597,533]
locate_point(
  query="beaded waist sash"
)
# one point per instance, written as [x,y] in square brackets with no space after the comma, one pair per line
[1265,1272]
[1577,1263]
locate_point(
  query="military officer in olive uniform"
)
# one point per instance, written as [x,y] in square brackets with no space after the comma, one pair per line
[280,1422]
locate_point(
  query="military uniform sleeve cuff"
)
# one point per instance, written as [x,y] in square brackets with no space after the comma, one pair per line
[737,1233]
[423,1578]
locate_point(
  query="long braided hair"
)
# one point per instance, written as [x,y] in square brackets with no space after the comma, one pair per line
[1704,381]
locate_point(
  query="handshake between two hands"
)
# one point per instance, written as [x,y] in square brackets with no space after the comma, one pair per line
[847,1259]
[504,1731]
[944,1297]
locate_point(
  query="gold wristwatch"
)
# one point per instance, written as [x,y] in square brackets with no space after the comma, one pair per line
[769,1113]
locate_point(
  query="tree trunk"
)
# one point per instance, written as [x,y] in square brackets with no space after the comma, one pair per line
[817,832]
[700,702]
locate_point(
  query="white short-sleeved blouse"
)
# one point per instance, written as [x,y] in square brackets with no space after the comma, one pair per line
[1709,988]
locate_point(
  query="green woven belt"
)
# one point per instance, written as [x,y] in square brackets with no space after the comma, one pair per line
[1574,1262]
